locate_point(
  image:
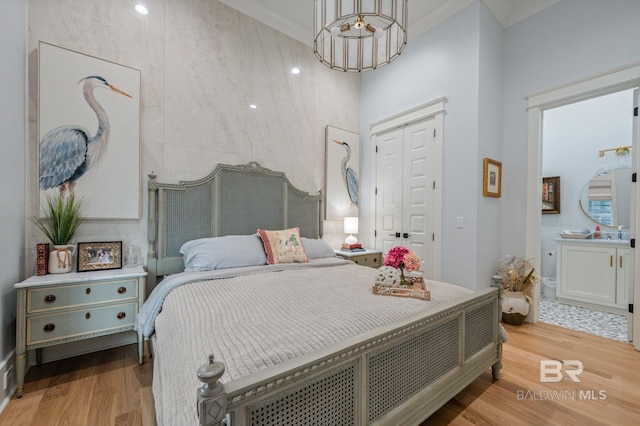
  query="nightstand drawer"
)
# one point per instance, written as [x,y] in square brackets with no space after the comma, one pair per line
[59,297]
[372,260]
[45,328]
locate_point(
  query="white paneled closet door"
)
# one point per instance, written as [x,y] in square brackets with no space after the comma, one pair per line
[405,185]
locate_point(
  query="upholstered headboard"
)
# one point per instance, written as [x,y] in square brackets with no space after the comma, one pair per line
[231,200]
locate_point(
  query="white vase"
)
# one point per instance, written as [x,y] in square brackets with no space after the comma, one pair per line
[515,307]
[60,258]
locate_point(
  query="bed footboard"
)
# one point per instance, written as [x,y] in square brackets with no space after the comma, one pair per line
[212,402]
[398,375]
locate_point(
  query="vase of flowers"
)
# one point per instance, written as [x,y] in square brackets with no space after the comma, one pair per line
[517,277]
[64,217]
[403,259]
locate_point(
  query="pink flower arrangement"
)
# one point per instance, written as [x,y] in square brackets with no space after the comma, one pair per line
[395,256]
[411,262]
[402,258]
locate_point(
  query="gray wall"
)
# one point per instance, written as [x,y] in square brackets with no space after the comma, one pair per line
[460,59]
[13,21]
[486,73]
[568,41]
[202,63]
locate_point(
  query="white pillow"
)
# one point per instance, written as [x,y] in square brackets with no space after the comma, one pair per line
[230,251]
[317,249]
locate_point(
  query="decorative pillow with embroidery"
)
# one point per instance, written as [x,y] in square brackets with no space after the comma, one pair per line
[283,246]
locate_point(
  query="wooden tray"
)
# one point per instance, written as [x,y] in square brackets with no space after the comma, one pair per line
[418,290]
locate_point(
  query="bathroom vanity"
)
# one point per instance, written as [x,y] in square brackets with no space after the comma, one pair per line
[594,273]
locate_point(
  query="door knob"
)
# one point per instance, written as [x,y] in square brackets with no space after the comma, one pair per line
[405,235]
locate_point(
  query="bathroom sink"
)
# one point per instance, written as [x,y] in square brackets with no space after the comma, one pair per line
[577,235]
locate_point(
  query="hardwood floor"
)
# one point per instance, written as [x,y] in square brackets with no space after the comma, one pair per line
[611,371]
[109,388]
[102,388]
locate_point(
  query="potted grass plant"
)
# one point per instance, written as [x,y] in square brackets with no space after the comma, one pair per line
[517,277]
[63,216]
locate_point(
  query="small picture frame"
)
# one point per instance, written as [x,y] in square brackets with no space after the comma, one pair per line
[492,179]
[551,195]
[99,256]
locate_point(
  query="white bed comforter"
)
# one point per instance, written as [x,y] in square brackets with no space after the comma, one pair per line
[260,318]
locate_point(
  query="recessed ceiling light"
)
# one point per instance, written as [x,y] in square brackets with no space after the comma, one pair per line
[295,70]
[141,9]
[253,106]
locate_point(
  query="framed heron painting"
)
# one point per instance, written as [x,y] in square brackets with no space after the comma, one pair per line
[89,132]
[342,173]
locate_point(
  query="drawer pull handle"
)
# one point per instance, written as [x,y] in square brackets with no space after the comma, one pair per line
[88,290]
[88,315]
[49,298]
[122,290]
[49,328]
[121,315]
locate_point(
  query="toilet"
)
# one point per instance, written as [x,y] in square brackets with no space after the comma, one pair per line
[549,287]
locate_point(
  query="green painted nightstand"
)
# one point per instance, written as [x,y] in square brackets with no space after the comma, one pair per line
[60,308]
[371,258]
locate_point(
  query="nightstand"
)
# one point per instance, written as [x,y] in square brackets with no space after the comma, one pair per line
[60,308]
[371,258]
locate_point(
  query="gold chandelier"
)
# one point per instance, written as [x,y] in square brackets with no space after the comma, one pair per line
[359,35]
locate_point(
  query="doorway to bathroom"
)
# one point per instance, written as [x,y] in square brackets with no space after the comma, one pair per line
[614,80]
[586,153]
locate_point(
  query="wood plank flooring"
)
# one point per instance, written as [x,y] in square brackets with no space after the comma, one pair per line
[109,388]
[102,388]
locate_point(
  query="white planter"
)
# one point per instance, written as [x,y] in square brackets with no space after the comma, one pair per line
[60,259]
[515,307]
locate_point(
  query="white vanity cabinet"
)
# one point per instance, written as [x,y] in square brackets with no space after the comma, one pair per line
[593,273]
[623,279]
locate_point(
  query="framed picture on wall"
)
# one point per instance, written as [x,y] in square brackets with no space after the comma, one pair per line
[551,195]
[492,178]
[342,173]
[89,132]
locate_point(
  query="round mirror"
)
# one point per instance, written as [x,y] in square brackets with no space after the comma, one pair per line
[606,198]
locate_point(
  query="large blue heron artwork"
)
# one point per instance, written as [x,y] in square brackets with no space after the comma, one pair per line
[68,152]
[88,132]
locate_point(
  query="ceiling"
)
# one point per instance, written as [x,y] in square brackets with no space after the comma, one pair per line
[295,17]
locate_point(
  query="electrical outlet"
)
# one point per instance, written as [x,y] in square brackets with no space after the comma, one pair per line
[460,222]
[8,377]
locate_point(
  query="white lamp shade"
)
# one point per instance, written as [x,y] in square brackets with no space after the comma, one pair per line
[350,225]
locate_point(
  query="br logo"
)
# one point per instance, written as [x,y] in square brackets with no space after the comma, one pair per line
[553,371]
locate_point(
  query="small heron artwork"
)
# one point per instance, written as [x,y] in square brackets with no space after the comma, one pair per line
[68,152]
[342,171]
[349,176]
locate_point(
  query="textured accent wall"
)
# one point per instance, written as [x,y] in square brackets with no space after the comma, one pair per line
[202,64]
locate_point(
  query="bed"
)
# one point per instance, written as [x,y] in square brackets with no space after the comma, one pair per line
[239,340]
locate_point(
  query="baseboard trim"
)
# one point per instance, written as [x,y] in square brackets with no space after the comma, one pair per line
[6,364]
